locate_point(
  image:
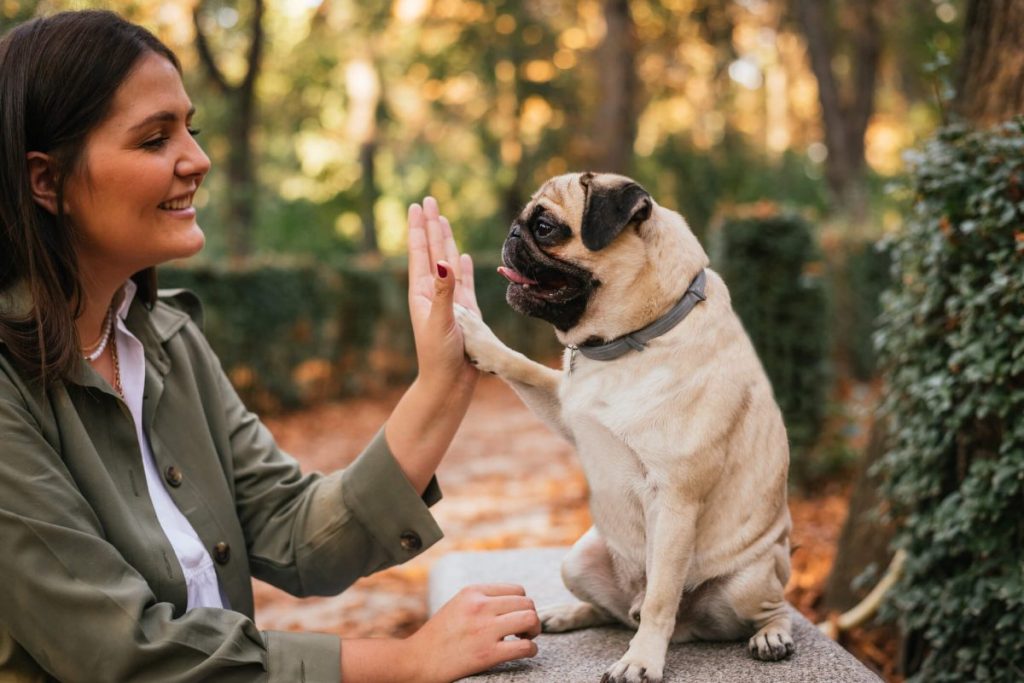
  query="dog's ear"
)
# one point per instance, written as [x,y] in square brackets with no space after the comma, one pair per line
[610,208]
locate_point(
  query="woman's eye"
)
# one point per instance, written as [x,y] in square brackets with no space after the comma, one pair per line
[194,132]
[155,143]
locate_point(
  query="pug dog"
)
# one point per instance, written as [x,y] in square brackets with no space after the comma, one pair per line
[674,420]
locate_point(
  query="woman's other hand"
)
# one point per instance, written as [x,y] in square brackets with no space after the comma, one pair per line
[468,634]
[438,276]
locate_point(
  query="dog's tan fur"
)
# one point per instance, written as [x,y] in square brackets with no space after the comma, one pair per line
[682,444]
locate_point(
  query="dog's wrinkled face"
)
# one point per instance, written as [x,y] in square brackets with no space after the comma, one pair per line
[555,254]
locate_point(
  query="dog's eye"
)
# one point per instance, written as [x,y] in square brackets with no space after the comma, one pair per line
[543,229]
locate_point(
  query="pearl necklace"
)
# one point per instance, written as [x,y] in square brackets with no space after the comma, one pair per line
[101,345]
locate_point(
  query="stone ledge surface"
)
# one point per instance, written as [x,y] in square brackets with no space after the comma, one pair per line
[583,656]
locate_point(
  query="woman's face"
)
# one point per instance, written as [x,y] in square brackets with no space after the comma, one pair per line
[130,201]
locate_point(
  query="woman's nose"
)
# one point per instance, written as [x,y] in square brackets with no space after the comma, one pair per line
[193,161]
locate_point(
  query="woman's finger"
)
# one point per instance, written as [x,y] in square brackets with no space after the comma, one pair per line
[468,288]
[435,233]
[495,589]
[419,250]
[515,649]
[451,251]
[503,604]
[524,621]
[441,314]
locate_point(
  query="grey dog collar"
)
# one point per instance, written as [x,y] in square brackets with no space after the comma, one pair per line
[637,341]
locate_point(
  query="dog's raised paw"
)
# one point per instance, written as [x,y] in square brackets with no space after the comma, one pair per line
[483,348]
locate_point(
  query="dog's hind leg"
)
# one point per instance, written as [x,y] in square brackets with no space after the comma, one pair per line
[756,596]
[589,574]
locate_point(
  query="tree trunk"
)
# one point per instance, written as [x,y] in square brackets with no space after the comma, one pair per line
[616,121]
[368,198]
[991,84]
[362,82]
[864,540]
[241,100]
[845,119]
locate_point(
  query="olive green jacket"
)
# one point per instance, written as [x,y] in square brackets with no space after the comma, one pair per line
[90,588]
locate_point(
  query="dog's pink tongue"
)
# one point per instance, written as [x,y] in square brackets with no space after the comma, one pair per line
[514,277]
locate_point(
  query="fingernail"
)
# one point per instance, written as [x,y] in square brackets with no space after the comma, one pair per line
[442,272]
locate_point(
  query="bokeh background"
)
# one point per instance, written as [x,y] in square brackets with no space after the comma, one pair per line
[825,151]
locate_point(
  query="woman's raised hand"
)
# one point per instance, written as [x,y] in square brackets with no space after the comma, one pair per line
[438,276]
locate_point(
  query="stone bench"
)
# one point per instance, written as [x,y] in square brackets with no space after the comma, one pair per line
[583,656]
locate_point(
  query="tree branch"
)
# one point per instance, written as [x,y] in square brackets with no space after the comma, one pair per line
[867,607]
[255,47]
[869,47]
[812,22]
[206,54]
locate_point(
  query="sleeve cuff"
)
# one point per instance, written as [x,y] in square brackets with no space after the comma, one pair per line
[309,657]
[378,493]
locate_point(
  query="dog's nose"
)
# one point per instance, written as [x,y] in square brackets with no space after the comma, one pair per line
[514,232]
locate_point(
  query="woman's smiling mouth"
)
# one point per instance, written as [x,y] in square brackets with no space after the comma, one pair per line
[179,204]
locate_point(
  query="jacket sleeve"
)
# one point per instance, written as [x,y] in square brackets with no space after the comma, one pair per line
[316,534]
[77,607]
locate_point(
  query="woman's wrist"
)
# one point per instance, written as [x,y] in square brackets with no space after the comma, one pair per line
[423,424]
[379,660]
[447,386]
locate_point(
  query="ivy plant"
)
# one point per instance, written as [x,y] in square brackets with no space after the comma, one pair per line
[952,342]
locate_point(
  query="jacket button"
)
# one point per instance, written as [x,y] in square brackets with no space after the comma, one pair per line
[410,540]
[173,476]
[222,553]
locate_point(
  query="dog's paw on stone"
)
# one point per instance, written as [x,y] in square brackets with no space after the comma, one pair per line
[771,644]
[625,671]
[562,618]
[643,662]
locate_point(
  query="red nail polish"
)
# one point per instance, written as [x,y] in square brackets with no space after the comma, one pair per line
[442,272]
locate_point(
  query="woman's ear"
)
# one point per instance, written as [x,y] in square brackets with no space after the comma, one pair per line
[42,178]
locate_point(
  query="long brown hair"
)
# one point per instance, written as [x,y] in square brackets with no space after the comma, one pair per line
[58,77]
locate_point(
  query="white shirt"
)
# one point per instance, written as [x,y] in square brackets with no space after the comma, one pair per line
[196,564]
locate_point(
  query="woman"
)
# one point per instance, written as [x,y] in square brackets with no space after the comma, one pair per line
[137,494]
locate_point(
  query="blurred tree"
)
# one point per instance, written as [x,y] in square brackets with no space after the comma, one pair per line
[363,84]
[242,192]
[846,103]
[13,13]
[991,85]
[862,551]
[364,90]
[616,116]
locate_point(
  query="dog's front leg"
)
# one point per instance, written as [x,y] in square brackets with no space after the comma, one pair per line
[671,524]
[536,384]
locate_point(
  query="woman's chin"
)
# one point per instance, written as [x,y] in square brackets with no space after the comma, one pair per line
[185,246]
[197,243]
[190,244]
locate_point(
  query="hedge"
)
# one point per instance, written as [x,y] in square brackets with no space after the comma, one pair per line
[293,332]
[272,323]
[952,341]
[867,276]
[772,267]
